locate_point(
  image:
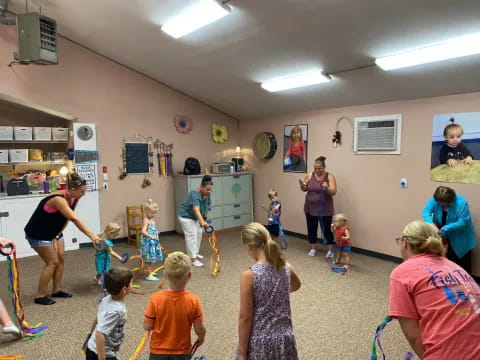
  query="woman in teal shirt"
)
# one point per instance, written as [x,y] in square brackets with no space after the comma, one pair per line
[192,215]
[449,213]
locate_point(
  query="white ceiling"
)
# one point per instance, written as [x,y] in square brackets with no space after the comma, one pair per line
[223,63]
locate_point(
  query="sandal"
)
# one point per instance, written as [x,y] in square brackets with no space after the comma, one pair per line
[61,294]
[44,301]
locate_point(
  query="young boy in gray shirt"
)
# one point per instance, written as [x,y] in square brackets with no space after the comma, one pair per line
[108,334]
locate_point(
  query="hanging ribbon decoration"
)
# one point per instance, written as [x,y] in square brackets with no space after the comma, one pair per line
[28,331]
[140,346]
[215,266]
[376,340]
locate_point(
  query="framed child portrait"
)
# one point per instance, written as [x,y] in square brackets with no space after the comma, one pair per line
[456,148]
[295,139]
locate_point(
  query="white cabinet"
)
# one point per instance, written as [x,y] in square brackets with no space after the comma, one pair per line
[231,198]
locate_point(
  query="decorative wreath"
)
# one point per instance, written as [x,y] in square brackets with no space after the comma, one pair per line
[183,124]
[219,133]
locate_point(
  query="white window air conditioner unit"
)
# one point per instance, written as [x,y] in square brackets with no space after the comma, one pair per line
[36,39]
[377,134]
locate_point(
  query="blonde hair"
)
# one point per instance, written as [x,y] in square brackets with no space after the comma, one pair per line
[295,129]
[271,193]
[423,238]
[341,218]
[256,236]
[112,228]
[177,266]
[150,206]
[452,126]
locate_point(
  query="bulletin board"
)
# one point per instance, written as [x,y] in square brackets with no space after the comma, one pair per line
[137,157]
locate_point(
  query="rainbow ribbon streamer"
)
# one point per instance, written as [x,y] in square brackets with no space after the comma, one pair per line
[376,340]
[215,266]
[140,346]
[28,331]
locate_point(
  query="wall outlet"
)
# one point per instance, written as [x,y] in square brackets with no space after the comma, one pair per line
[403,183]
[105,186]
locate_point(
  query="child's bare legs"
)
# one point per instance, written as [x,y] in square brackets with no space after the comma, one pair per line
[6,323]
[347,259]
[339,256]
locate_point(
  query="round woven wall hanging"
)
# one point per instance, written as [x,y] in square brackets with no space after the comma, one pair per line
[264,145]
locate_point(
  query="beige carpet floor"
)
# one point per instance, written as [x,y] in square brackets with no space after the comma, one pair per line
[334,316]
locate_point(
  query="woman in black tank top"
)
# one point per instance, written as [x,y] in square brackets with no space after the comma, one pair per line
[44,233]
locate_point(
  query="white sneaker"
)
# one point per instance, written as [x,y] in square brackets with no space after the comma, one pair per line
[312,252]
[12,329]
[152,278]
[199,256]
[197,263]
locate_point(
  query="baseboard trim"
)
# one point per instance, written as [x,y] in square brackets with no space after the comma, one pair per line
[355,249]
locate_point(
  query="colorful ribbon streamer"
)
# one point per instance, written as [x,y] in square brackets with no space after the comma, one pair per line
[28,331]
[140,346]
[335,268]
[376,340]
[10,357]
[215,266]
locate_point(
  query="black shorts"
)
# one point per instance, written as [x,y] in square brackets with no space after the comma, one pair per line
[273,229]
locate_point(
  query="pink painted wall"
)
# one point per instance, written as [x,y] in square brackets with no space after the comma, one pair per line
[121,103]
[368,185]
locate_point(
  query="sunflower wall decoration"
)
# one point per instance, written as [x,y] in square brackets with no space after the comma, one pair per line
[219,133]
[183,124]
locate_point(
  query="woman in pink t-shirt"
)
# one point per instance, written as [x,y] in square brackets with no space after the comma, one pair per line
[436,301]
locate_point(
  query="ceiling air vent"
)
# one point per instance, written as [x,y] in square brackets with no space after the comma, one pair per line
[377,134]
[37,39]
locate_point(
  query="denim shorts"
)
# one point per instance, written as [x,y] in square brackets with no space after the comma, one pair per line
[39,243]
[347,248]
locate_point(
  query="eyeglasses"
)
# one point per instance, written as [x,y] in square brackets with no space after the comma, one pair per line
[400,239]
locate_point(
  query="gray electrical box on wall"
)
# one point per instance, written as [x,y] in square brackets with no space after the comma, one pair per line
[37,39]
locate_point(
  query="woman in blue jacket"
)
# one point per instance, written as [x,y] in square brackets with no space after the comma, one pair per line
[450,214]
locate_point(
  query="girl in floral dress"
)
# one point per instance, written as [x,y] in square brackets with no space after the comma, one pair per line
[150,248]
[265,324]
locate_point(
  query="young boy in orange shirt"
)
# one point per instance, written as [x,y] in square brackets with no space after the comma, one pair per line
[171,313]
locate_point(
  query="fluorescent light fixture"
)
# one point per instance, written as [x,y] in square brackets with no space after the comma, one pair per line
[458,47]
[295,81]
[193,18]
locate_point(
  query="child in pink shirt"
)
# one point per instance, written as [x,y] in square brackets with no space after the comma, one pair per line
[436,302]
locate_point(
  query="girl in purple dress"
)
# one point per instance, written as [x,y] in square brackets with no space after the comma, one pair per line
[265,323]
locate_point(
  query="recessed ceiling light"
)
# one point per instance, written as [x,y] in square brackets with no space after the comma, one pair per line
[458,47]
[297,80]
[193,18]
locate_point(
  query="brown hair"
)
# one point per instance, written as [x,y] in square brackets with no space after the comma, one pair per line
[451,126]
[116,279]
[423,238]
[256,236]
[320,161]
[74,181]
[444,194]
[295,129]
[177,266]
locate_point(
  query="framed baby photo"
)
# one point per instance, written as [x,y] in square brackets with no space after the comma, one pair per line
[456,148]
[295,141]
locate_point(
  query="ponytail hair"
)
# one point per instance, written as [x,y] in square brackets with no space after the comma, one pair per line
[206,180]
[320,161]
[423,238]
[451,125]
[150,206]
[256,236]
[75,181]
